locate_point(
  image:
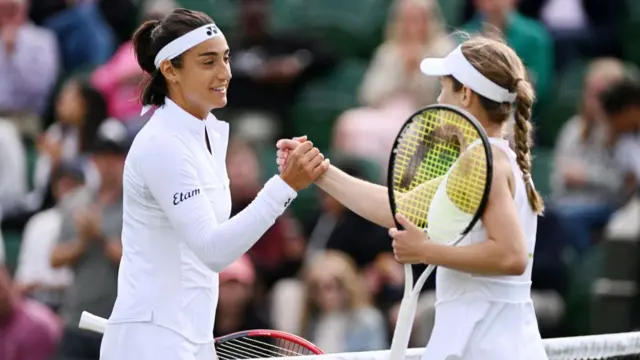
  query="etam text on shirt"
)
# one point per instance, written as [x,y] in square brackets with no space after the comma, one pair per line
[180,197]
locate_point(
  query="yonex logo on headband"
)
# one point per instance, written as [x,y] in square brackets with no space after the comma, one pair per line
[186,42]
[212,29]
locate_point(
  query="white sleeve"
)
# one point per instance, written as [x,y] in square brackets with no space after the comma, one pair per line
[168,168]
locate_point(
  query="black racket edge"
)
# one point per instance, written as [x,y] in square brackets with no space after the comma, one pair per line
[275,334]
[487,150]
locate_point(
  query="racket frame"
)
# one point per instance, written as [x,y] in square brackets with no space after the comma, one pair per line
[273,334]
[97,324]
[409,303]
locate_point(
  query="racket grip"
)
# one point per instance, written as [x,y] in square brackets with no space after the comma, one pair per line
[404,325]
[91,322]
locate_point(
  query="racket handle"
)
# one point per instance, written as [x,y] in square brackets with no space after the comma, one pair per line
[91,322]
[402,333]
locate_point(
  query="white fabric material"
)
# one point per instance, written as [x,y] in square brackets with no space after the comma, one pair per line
[13,169]
[483,317]
[456,65]
[34,262]
[146,341]
[177,234]
[186,42]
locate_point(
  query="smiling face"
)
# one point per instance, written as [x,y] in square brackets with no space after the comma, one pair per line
[203,78]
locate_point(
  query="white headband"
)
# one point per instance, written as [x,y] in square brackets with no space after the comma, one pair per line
[186,42]
[456,65]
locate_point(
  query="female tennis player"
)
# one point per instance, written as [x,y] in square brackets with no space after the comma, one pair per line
[177,234]
[484,308]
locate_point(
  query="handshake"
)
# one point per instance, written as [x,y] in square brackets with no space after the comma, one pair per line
[299,162]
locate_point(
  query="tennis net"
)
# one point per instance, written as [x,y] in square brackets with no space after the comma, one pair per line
[621,346]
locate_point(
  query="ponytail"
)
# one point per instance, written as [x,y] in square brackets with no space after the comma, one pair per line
[155,86]
[522,139]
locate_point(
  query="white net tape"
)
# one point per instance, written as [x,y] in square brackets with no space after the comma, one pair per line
[610,346]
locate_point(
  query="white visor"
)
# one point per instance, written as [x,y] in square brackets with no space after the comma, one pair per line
[186,42]
[456,65]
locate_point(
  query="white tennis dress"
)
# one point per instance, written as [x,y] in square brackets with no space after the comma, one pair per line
[483,317]
[177,236]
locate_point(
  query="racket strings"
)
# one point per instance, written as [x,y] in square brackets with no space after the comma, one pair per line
[438,144]
[259,348]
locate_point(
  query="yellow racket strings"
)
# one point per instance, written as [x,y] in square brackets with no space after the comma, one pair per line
[429,149]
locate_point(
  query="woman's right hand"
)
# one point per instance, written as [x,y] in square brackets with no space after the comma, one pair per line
[305,163]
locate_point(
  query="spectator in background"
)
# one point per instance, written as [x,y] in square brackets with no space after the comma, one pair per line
[120,79]
[270,69]
[29,330]
[2,255]
[90,244]
[121,16]
[85,38]
[580,28]
[586,179]
[34,273]
[236,311]
[621,104]
[13,168]
[79,111]
[415,30]
[526,36]
[336,228]
[337,313]
[393,86]
[279,252]
[28,66]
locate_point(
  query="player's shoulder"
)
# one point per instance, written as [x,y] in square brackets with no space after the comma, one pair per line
[157,141]
[501,164]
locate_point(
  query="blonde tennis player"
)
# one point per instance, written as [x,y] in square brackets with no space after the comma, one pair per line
[483,310]
[177,234]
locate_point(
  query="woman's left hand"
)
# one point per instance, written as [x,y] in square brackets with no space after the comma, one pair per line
[408,244]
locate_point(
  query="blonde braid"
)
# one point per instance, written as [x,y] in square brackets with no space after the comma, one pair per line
[522,138]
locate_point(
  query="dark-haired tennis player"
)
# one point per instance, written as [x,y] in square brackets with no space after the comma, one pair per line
[177,234]
[484,309]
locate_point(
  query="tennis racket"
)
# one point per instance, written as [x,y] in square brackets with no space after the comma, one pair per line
[441,158]
[250,344]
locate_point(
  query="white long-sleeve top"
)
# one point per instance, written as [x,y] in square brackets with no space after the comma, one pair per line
[177,234]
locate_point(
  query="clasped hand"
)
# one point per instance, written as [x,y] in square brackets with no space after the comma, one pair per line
[304,162]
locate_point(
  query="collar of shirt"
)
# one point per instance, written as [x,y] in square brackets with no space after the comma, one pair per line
[182,121]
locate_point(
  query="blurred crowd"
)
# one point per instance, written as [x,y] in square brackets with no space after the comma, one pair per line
[345,73]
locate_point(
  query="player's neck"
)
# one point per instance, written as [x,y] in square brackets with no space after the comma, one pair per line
[491,128]
[185,105]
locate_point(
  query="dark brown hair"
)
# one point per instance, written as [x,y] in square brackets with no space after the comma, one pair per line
[500,64]
[151,37]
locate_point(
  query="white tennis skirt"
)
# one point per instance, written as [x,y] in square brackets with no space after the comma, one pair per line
[479,329]
[147,341]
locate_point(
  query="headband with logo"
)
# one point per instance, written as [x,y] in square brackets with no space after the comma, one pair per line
[186,42]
